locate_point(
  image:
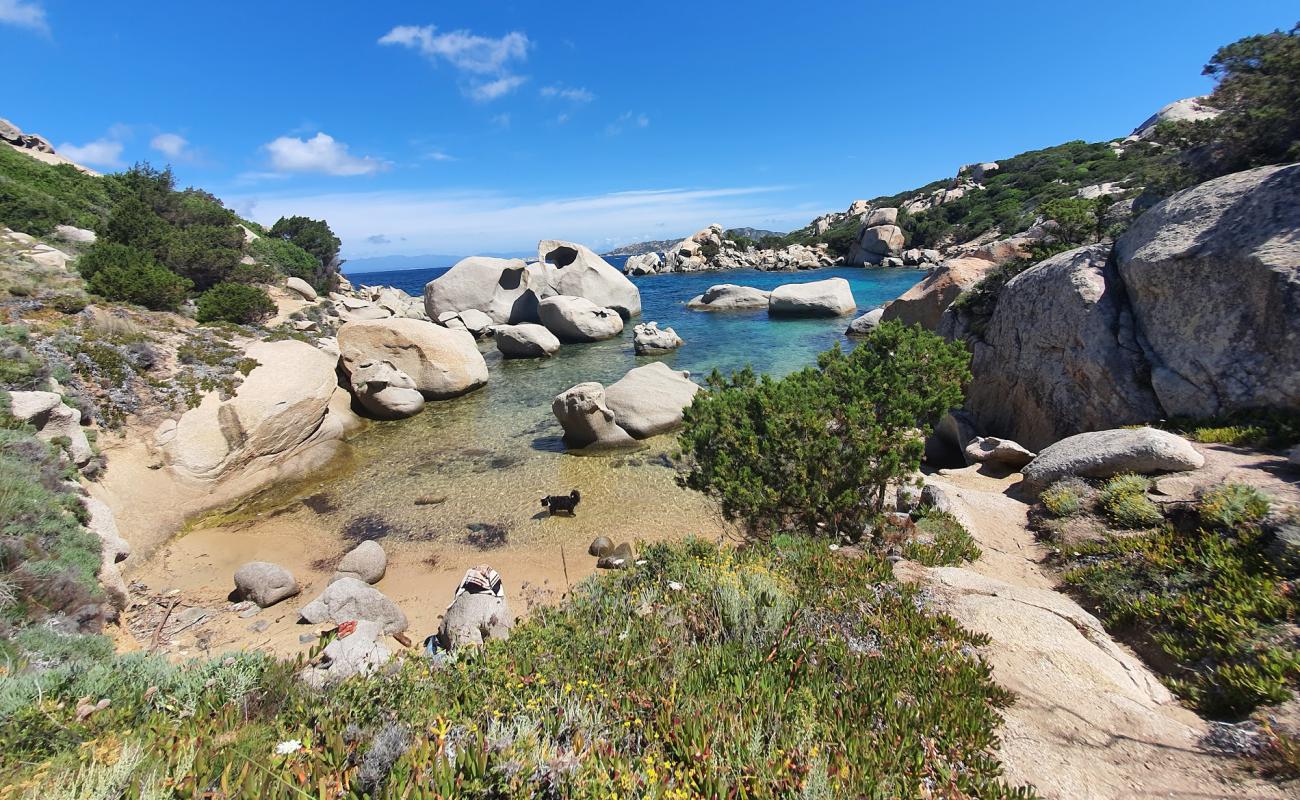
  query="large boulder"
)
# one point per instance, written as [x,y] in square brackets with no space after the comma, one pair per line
[477,323]
[361,652]
[1059,355]
[1101,454]
[264,583]
[385,391]
[881,216]
[925,302]
[877,242]
[1213,275]
[573,269]
[648,339]
[301,288]
[475,618]
[865,324]
[828,298]
[577,319]
[730,297]
[992,450]
[442,362]
[525,340]
[586,419]
[282,408]
[112,549]
[506,289]
[1189,109]
[350,598]
[53,420]
[69,233]
[367,562]
[649,400]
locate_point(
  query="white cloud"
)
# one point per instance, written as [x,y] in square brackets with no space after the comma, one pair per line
[491,90]
[321,153]
[99,153]
[570,93]
[627,120]
[24,14]
[486,58]
[437,155]
[172,145]
[467,222]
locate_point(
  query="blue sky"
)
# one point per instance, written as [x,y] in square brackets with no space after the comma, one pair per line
[458,128]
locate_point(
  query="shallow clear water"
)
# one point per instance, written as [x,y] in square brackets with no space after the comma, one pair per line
[489,456]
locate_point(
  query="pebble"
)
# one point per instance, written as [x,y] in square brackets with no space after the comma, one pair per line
[259,626]
[250,612]
[307,638]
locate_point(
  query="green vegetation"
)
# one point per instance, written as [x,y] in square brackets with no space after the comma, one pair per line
[315,238]
[126,274]
[941,540]
[816,449]
[1065,497]
[779,670]
[1123,499]
[1208,606]
[34,196]
[235,302]
[1264,428]
[19,369]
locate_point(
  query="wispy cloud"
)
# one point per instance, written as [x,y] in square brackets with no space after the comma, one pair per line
[437,155]
[485,61]
[320,154]
[475,221]
[172,145]
[104,152]
[573,94]
[24,14]
[627,120]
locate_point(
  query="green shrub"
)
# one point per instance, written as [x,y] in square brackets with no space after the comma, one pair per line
[19,369]
[286,258]
[1261,428]
[235,302]
[67,302]
[141,281]
[1211,604]
[942,541]
[1232,506]
[1124,500]
[35,197]
[819,447]
[1065,497]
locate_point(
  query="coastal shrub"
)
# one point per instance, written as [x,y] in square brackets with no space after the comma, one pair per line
[1233,505]
[287,258]
[642,683]
[942,541]
[143,282]
[35,196]
[315,238]
[235,302]
[1258,428]
[19,369]
[1124,501]
[1259,92]
[1210,606]
[1065,497]
[815,450]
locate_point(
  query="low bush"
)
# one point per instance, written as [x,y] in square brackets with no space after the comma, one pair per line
[235,302]
[1065,497]
[19,369]
[144,283]
[1124,501]
[1233,505]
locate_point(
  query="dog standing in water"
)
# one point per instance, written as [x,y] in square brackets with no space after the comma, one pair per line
[559,502]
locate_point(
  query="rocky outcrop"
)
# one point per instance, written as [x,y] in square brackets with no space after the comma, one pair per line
[925,302]
[730,297]
[525,340]
[829,298]
[477,323]
[1189,109]
[577,319]
[1003,452]
[113,549]
[74,235]
[53,420]
[476,618]
[586,419]
[1213,276]
[506,289]
[442,362]
[349,599]
[264,583]
[1059,354]
[365,562]
[878,238]
[709,250]
[37,147]
[644,264]
[649,339]
[574,270]
[360,652]
[1101,454]
[371,303]
[649,400]
[865,324]
[385,391]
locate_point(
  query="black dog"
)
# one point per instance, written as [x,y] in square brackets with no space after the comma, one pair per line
[558,502]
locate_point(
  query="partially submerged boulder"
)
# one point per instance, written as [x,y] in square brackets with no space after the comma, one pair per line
[730,297]
[385,391]
[476,618]
[367,562]
[649,400]
[506,289]
[525,340]
[573,269]
[865,324]
[577,319]
[648,338]
[925,302]
[265,583]
[53,420]
[442,362]
[586,419]
[353,599]
[1102,454]
[832,297]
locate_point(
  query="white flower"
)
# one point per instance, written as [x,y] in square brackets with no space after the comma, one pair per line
[285,748]
[675,586]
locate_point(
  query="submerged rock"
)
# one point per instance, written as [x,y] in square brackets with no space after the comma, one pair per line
[525,340]
[650,400]
[730,297]
[586,420]
[649,338]
[865,324]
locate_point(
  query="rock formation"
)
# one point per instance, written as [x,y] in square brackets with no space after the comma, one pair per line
[649,400]
[730,297]
[586,419]
[829,298]
[577,319]
[442,362]
[1101,454]
[573,269]
[525,340]
[649,339]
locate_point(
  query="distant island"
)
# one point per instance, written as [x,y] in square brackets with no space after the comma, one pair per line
[662,245]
